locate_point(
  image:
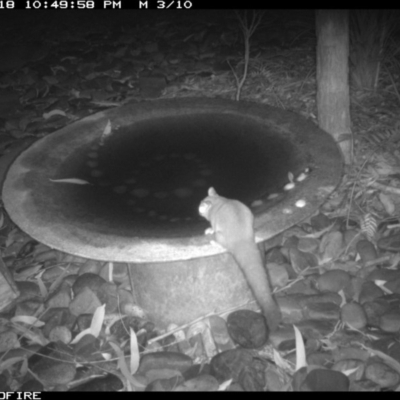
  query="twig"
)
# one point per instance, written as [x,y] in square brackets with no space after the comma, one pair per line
[248,28]
[131,282]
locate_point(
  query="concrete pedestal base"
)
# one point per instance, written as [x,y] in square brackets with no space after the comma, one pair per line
[179,292]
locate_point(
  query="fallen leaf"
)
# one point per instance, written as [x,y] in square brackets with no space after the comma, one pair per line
[135,358]
[75,181]
[301,360]
[52,113]
[97,321]
[29,320]
[387,203]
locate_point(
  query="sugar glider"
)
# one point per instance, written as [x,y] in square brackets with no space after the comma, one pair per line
[232,226]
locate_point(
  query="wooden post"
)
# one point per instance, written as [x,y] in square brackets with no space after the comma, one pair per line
[333,100]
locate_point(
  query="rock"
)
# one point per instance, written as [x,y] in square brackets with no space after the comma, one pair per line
[108,295]
[349,364]
[303,287]
[86,302]
[234,387]
[278,275]
[345,353]
[172,343]
[364,385]
[55,317]
[290,242]
[248,328]
[108,383]
[283,339]
[275,256]
[390,322]
[366,250]
[52,273]
[48,255]
[370,292]
[325,380]
[321,359]
[4,386]
[312,329]
[53,364]
[9,340]
[276,381]
[384,274]
[91,281]
[195,370]
[28,290]
[334,281]
[32,385]
[164,385]
[61,298]
[299,377]
[322,311]
[389,346]
[353,315]
[121,329]
[331,245]
[83,322]
[28,307]
[88,348]
[164,360]
[202,383]
[91,284]
[301,260]
[60,333]
[320,222]
[252,378]
[296,307]
[382,375]
[308,245]
[93,267]
[393,286]
[390,243]
[374,310]
[70,279]
[291,309]
[20,353]
[229,364]
[351,237]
